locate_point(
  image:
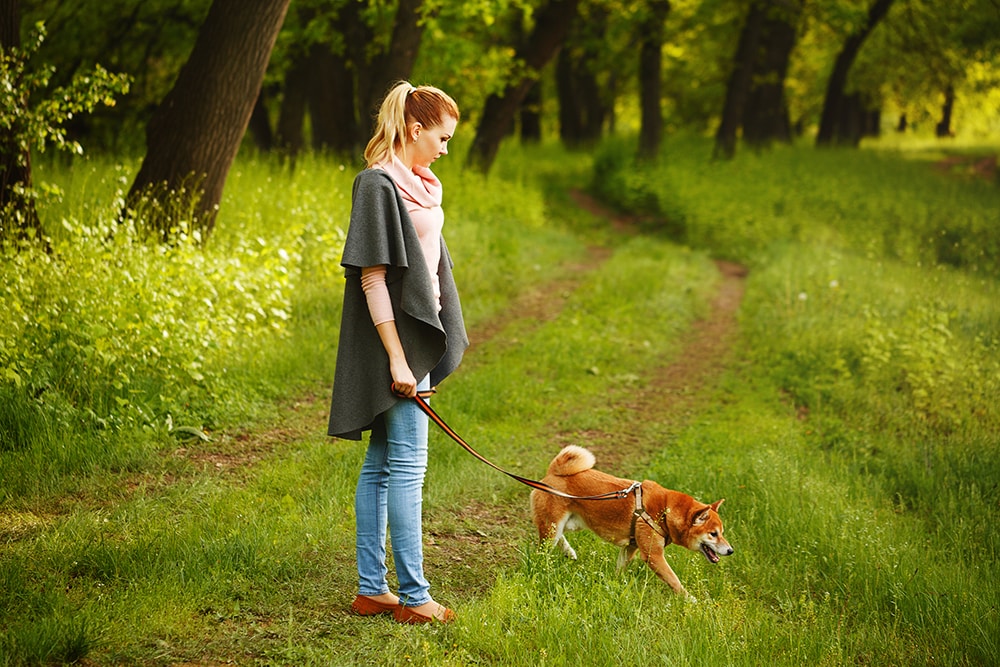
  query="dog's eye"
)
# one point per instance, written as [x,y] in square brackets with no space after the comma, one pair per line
[714,533]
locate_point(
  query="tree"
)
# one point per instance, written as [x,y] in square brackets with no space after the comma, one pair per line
[739,83]
[338,58]
[194,135]
[15,158]
[650,77]
[755,92]
[842,117]
[765,117]
[551,26]
[34,115]
[149,40]
[584,100]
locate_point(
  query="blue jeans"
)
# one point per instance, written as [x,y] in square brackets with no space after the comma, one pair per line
[390,493]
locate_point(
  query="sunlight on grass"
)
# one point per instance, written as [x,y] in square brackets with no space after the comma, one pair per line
[853,437]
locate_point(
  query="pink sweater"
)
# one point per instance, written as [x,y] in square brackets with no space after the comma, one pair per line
[421,192]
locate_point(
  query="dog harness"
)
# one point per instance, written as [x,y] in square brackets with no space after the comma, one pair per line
[641,513]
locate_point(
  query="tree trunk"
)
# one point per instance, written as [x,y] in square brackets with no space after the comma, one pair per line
[836,103]
[570,113]
[260,124]
[531,115]
[194,135]
[292,114]
[583,102]
[765,117]
[349,116]
[650,78]
[738,85]
[943,128]
[322,97]
[396,63]
[18,216]
[552,23]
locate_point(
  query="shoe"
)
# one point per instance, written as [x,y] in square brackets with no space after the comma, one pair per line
[407,616]
[366,606]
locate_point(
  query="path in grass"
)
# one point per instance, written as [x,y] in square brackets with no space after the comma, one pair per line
[468,557]
[668,397]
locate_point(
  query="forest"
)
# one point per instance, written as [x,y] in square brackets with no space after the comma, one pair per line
[186,84]
[748,249]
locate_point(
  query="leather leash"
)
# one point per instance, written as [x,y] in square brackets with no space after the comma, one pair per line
[421,400]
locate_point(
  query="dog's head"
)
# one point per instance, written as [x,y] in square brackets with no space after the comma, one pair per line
[705,533]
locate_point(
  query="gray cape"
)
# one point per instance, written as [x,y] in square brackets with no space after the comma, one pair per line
[381,232]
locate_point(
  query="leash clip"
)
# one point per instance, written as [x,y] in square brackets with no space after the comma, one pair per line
[624,492]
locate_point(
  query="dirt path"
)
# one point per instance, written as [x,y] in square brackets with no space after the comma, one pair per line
[672,393]
[468,545]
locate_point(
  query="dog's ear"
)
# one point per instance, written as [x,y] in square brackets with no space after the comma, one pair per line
[702,516]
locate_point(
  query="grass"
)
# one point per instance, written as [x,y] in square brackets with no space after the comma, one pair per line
[853,438]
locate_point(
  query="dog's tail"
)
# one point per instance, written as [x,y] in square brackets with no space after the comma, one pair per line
[571,460]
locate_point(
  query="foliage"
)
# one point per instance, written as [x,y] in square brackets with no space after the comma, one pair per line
[33,115]
[467,48]
[147,40]
[912,361]
[37,117]
[113,332]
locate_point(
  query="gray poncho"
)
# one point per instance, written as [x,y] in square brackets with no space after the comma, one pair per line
[381,232]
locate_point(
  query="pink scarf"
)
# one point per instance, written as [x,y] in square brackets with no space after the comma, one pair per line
[422,193]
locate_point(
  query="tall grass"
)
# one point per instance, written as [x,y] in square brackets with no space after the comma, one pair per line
[854,439]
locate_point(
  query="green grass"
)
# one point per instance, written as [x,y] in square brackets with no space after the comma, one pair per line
[853,437]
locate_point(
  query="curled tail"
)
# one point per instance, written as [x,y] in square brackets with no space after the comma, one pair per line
[571,460]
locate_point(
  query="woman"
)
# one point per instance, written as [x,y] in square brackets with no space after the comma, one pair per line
[401,332]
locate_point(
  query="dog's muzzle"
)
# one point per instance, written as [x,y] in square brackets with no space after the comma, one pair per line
[712,555]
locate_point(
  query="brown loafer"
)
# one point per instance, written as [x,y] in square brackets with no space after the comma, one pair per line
[366,606]
[408,616]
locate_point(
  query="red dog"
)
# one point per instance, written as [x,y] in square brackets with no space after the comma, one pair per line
[645,520]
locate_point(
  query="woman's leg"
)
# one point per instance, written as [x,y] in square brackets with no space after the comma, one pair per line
[370,512]
[406,434]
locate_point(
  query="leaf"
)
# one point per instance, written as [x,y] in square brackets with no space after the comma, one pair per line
[191,432]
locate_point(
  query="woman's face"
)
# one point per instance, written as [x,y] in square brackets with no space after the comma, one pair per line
[431,142]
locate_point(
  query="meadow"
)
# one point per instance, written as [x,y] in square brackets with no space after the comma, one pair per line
[168,495]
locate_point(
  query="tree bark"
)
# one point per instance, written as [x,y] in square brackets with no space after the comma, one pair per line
[322,97]
[292,114]
[531,115]
[194,135]
[396,63]
[943,128]
[650,79]
[16,209]
[260,124]
[583,102]
[738,84]
[552,23]
[834,121]
[765,117]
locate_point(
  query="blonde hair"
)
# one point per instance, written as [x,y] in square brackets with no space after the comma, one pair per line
[404,104]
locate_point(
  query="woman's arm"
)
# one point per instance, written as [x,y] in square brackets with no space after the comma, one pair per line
[403,381]
[380,307]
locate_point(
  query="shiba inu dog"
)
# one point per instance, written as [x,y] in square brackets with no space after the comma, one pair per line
[644,518]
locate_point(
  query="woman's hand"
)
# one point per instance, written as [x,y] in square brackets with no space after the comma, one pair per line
[403,382]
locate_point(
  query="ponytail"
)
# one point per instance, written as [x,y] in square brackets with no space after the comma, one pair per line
[404,104]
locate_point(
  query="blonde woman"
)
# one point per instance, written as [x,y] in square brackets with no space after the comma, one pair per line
[401,332]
